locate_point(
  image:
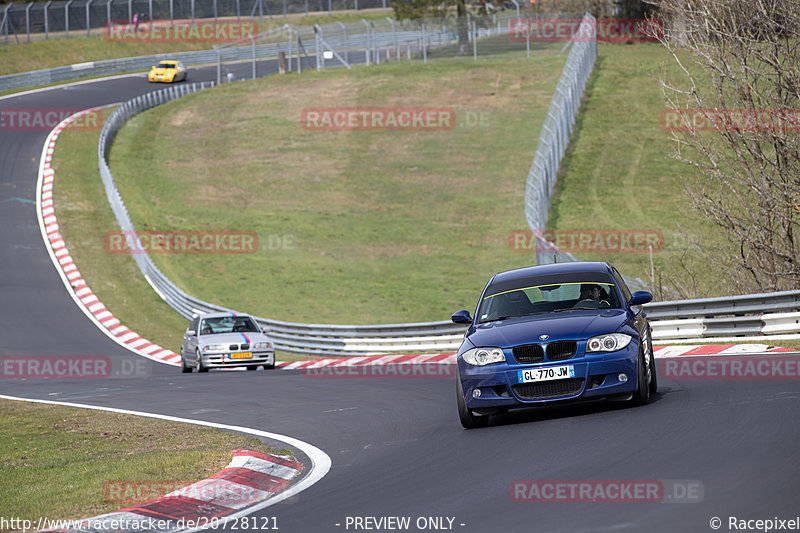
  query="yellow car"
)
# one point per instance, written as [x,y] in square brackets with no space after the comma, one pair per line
[167,71]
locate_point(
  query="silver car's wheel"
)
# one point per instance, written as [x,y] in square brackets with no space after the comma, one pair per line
[200,367]
[185,369]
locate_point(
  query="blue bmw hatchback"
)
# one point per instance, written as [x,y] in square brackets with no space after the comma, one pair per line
[554,333]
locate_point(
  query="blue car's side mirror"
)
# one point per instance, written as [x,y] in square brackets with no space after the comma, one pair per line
[461,317]
[639,298]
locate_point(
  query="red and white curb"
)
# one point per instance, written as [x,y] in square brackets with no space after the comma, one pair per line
[664,352]
[71,276]
[249,479]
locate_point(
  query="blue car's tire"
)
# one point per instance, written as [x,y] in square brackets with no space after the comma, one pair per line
[641,395]
[652,358]
[468,420]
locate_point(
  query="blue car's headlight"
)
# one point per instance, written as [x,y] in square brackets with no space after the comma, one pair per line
[483,356]
[608,343]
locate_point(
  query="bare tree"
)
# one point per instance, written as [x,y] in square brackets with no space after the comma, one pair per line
[734,117]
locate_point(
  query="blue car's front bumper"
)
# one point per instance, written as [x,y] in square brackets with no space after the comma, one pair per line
[596,375]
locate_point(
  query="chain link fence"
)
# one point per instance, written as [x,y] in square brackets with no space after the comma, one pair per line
[65,18]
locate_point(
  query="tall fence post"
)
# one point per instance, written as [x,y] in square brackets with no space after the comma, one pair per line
[88,19]
[46,20]
[344,31]
[366,45]
[66,19]
[28,20]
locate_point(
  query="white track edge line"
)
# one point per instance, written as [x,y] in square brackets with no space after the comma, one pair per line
[320,461]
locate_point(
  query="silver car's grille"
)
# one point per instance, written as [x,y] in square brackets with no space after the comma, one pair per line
[233,347]
[245,346]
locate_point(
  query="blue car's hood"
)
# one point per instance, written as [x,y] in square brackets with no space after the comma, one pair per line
[567,325]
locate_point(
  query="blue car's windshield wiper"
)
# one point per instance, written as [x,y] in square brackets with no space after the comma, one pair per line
[511,316]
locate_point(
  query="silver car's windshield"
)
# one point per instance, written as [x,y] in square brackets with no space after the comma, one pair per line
[228,324]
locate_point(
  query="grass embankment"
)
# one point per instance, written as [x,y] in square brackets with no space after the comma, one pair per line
[69,463]
[59,51]
[618,173]
[382,226]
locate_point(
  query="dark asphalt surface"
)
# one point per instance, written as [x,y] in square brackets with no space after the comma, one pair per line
[396,446]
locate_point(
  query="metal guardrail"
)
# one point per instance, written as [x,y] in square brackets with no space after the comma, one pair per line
[709,317]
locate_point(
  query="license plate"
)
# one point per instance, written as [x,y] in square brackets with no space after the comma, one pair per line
[546,374]
[242,355]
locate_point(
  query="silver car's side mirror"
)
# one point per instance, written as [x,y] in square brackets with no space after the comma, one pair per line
[190,333]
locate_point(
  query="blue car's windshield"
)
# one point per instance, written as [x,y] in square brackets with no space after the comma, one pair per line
[548,294]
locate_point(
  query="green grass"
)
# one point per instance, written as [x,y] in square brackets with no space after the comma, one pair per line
[384,226]
[56,460]
[618,173]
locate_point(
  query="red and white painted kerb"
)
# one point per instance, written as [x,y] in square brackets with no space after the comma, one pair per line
[80,291]
[249,479]
[103,318]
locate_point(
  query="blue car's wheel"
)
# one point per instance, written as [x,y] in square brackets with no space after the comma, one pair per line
[468,420]
[642,394]
[653,378]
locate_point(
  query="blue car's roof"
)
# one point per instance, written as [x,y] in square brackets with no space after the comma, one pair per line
[555,268]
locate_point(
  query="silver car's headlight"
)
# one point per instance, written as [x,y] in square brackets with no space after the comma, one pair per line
[262,346]
[213,347]
[608,343]
[483,356]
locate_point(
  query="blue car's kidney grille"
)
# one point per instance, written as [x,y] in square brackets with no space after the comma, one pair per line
[548,389]
[528,353]
[560,350]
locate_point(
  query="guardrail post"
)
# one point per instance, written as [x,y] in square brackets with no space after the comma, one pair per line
[171,12]
[424,45]
[150,13]
[130,14]
[192,4]
[475,40]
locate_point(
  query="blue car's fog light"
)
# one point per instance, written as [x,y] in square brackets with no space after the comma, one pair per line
[622,378]
[476,393]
